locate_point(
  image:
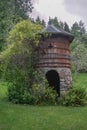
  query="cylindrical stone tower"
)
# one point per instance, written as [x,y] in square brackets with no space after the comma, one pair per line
[54,58]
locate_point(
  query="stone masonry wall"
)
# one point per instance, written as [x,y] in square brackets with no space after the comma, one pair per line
[64,75]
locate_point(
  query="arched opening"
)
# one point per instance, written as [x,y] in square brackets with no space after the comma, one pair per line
[53,79]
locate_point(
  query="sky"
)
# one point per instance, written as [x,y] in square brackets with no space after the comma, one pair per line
[65,10]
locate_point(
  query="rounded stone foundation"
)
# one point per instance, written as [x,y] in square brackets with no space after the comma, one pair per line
[64,76]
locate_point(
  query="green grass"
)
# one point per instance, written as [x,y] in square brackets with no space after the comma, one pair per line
[3,90]
[26,117]
[80,80]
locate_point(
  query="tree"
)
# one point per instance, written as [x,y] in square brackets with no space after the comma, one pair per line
[38,20]
[81,26]
[10,13]
[54,21]
[50,21]
[79,57]
[79,47]
[75,28]
[17,61]
[22,8]
[59,24]
[78,29]
[43,23]
[5,21]
[66,27]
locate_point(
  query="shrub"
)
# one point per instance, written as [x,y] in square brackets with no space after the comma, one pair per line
[28,98]
[14,93]
[44,94]
[38,94]
[28,92]
[19,94]
[75,97]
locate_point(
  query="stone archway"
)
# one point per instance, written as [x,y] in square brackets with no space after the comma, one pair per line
[54,80]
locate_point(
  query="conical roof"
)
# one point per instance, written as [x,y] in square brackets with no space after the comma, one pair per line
[57,31]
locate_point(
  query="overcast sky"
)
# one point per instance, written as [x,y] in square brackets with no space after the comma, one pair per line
[66,10]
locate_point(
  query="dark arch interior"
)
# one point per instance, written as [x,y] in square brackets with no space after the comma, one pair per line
[53,79]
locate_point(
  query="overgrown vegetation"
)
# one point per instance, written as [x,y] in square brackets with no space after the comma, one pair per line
[19,57]
[18,67]
[11,12]
[37,94]
[75,97]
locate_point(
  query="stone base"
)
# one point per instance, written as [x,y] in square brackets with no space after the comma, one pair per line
[64,75]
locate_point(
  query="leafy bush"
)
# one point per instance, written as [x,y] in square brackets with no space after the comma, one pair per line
[75,97]
[19,95]
[38,94]
[29,87]
[44,94]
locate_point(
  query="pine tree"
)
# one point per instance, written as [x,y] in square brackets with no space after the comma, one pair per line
[11,11]
[38,20]
[66,27]
[54,21]
[49,21]
[78,29]
[43,23]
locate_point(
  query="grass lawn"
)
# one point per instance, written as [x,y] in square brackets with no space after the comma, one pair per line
[26,117]
[80,80]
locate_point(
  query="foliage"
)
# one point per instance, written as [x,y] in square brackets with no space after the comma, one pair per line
[79,57]
[27,92]
[59,24]
[79,31]
[79,47]
[19,69]
[5,21]
[42,91]
[75,97]
[44,94]
[66,27]
[55,22]
[19,94]
[39,21]
[22,9]
[11,12]
[24,30]
[78,28]
[17,62]
[22,42]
